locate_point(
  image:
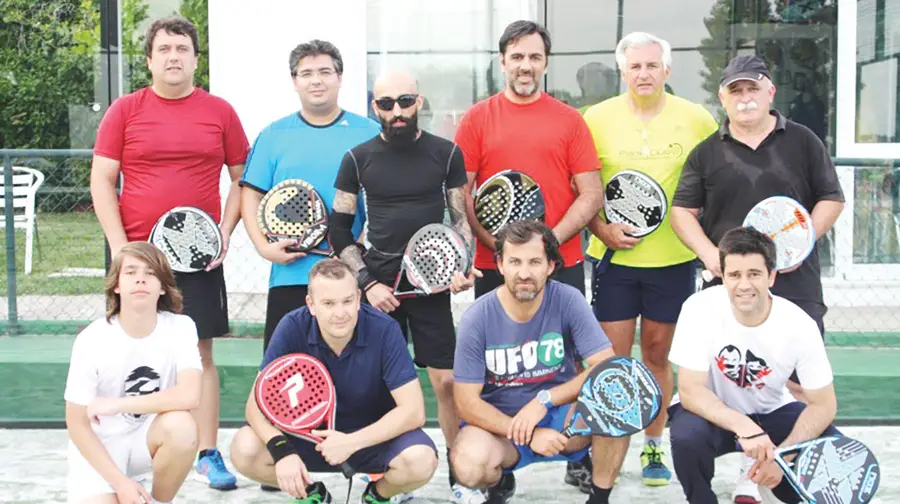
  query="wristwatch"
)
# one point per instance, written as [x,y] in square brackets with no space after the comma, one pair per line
[543,397]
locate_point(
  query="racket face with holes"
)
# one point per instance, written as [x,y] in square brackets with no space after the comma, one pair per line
[832,470]
[294,210]
[507,197]
[295,392]
[431,258]
[618,398]
[788,224]
[636,199]
[188,237]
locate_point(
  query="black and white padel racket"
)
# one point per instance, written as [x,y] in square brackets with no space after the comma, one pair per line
[831,470]
[635,199]
[294,210]
[506,197]
[188,237]
[431,258]
[619,397]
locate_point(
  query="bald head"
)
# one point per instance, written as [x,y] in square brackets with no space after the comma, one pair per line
[394,83]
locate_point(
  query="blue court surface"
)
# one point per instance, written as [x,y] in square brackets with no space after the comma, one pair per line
[34,466]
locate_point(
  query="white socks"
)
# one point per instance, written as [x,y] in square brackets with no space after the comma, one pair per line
[655,441]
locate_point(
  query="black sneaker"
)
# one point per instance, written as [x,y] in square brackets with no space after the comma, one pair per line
[503,491]
[578,474]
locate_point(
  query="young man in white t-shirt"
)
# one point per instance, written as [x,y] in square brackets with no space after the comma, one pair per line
[736,345]
[133,379]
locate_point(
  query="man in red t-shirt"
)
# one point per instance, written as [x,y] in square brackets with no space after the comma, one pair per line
[170,141]
[527,130]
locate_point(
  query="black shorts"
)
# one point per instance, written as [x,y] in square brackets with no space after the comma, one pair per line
[573,275]
[279,302]
[624,292]
[372,460]
[429,319]
[205,301]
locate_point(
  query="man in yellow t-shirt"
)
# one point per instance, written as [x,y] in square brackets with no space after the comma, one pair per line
[650,131]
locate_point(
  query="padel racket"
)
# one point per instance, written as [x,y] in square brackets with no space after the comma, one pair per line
[619,397]
[296,394]
[506,197]
[831,470]
[788,224]
[635,199]
[431,258]
[294,210]
[188,237]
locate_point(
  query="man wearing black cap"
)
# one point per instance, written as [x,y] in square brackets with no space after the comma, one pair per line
[757,153]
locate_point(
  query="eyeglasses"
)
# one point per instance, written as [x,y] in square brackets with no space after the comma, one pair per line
[386,103]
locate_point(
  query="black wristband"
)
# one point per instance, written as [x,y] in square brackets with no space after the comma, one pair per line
[365,279]
[280,447]
[761,434]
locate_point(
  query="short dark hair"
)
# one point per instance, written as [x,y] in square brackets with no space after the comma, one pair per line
[747,241]
[316,47]
[523,231]
[521,28]
[174,25]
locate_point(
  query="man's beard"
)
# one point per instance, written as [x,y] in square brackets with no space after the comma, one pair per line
[524,90]
[400,136]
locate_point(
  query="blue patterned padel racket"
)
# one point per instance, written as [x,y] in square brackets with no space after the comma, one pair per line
[619,397]
[831,470]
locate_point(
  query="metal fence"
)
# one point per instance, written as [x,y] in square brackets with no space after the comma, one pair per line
[62,293]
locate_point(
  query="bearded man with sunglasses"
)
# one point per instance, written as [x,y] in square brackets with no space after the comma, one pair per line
[408,177]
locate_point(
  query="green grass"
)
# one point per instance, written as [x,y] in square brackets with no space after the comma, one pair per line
[67,240]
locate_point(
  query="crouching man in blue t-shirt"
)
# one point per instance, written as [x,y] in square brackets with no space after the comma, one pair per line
[380,408]
[515,369]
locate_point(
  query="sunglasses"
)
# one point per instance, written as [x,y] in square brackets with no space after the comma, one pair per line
[386,103]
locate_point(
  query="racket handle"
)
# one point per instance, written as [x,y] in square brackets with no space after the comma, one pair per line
[347,470]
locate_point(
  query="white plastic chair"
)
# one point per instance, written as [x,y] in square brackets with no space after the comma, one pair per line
[26,182]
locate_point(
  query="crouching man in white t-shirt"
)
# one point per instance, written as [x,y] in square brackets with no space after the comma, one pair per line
[133,378]
[735,346]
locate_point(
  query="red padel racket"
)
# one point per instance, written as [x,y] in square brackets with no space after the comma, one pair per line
[296,393]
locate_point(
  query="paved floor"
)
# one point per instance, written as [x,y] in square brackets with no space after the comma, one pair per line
[34,467]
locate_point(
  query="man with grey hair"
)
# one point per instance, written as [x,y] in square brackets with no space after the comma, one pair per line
[648,130]
[307,144]
[757,153]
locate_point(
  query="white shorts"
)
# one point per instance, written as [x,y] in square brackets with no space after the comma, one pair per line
[128,451]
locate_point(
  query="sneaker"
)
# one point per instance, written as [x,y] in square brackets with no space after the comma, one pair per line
[654,472]
[746,492]
[316,494]
[578,474]
[211,470]
[464,495]
[503,491]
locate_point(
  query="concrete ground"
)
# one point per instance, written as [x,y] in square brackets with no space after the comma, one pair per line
[34,468]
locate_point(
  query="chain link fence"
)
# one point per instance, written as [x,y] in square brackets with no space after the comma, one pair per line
[62,292]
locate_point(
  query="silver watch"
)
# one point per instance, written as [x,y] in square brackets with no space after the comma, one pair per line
[544,398]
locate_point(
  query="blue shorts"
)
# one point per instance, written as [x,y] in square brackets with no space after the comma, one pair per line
[556,420]
[372,460]
[624,292]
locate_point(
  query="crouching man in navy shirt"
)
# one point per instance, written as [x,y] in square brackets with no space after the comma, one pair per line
[380,408]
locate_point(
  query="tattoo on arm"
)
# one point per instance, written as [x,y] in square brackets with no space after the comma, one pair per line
[344,202]
[457,204]
[353,257]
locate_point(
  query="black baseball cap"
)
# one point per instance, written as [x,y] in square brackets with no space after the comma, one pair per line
[747,67]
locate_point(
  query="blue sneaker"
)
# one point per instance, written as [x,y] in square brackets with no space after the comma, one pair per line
[654,471]
[211,470]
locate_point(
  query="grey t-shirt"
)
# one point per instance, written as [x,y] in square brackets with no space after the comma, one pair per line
[516,360]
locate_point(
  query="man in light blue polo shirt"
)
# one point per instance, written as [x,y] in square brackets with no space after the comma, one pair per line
[307,145]
[380,408]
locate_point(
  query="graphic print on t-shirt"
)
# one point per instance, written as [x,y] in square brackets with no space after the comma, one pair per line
[142,380]
[530,362]
[744,370]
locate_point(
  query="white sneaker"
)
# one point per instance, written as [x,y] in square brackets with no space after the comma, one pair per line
[463,495]
[746,491]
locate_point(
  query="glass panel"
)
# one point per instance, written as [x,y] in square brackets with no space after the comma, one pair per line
[582,80]
[136,17]
[682,24]
[582,25]
[877,55]
[876,216]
